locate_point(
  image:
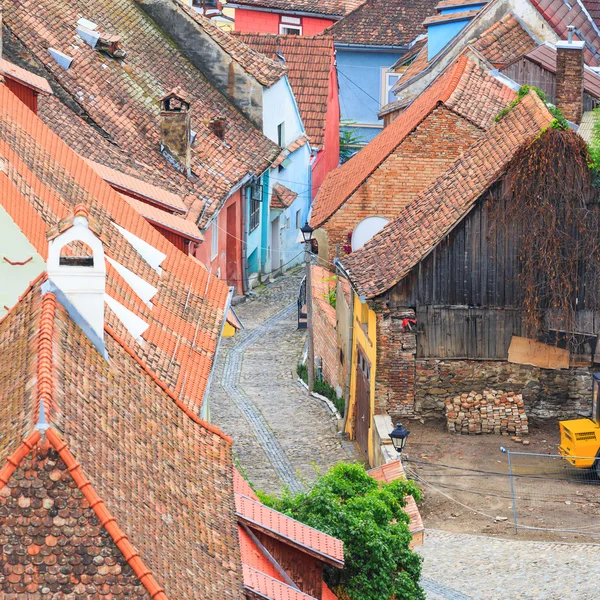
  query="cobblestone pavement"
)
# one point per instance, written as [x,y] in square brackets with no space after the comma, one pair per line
[281,434]
[471,567]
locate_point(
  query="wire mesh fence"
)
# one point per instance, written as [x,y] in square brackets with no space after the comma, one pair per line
[527,491]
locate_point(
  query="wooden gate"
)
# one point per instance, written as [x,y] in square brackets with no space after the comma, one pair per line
[363,401]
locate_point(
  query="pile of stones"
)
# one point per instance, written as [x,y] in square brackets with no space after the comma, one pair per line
[492,411]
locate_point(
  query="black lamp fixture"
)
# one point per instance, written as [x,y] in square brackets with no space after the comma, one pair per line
[399,436]
[307,232]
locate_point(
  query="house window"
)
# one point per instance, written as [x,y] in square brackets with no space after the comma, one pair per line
[290,26]
[214,240]
[298,220]
[255,202]
[281,134]
[389,80]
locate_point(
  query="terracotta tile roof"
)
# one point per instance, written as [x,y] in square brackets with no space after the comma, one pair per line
[255,514]
[309,61]
[391,472]
[419,64]
[266,70]
[463,87]
[269,587]
[138,188]
[39,84]
[449,17]
[392,23]
[282,197]
[455,3]
[504,42]
[164,219]
[295,145]
[335,8]
[118,427]
[545,56]
[45,180]
[253,557]
[593,7]
[327,594]
[399,246]
[122,97]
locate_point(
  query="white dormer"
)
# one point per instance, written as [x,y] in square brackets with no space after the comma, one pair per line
[80,272]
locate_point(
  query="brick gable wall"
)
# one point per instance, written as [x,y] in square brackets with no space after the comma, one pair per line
[418,161]
[52,542]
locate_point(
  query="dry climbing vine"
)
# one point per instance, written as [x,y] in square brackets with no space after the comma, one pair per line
[548,204]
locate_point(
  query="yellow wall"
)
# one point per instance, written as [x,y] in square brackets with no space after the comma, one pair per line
[364,335]
[228,330]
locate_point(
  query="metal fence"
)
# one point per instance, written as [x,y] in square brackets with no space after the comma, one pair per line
[548,493]
[527,491]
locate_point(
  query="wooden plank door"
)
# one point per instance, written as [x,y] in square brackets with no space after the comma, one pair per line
[363,402]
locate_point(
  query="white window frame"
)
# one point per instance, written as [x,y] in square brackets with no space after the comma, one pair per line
[286,29]
[214,239]
[386,86]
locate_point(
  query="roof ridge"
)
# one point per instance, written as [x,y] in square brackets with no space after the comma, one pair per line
[457,74]
[14,460]
[107,521]
[164,386]
[41,277]
[45,387]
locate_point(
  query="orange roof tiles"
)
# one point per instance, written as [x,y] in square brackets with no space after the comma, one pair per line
[322,7]
[309,61]
[121,97]
[330,549]
[269,587]
[393,23]
[167,220]
[447,18]
[126,183]
[39,84]
[282,196]
[398,247]
[463,87]
[118,427]
[44,180]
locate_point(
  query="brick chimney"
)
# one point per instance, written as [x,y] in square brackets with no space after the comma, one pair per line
[175,130]
[569,78]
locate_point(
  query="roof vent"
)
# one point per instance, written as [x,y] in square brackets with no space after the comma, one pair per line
[175,130]
[109,44]
[217,126]
[61,58]
[76,266]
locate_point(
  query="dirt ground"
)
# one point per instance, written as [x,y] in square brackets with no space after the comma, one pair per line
[466,488]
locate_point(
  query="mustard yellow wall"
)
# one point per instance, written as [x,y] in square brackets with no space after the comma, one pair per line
[228,330]
[367,341]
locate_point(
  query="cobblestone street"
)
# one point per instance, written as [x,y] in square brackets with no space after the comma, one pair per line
[471,567]
[282,435]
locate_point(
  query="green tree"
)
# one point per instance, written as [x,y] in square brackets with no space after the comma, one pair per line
[369,518]
[350,140]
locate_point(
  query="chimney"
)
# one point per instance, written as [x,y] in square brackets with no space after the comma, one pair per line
[76,266]
[217,126]
[175,130]
[569,77]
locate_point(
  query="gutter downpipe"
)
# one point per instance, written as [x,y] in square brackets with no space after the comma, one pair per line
[205,410]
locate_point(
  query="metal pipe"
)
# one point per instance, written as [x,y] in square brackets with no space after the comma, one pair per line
[309,317]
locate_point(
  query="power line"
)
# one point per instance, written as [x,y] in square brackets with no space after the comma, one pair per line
[358,86]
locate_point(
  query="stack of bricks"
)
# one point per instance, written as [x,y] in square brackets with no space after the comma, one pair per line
[492,411]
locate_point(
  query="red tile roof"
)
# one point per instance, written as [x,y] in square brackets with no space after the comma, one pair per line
[449,17]
[159,217]
[269,587]
[122,97]
[593,7]
[39,84]
[335,8]
[545,55]
[393,23]
[282,197]
[43,182]
[463,88]
[118,427]
[327,548]
[504,42]
[398,247]
[309,61]
[295,145]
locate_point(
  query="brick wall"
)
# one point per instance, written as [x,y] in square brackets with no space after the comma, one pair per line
[324,324]
[418,161]
[569,81]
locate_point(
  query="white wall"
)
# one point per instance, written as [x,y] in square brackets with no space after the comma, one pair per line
[279,105]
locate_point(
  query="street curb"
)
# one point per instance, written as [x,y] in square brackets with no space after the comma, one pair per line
[327,401]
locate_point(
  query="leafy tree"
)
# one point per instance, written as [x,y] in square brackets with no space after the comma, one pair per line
[368,517]
[594,144]
[349,140]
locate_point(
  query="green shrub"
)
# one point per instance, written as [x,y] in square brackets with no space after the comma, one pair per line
[322,388]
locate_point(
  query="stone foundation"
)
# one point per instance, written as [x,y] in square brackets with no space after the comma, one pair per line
[491,411]
[560,394]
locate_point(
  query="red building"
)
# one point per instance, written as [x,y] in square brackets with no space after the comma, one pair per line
[289,17]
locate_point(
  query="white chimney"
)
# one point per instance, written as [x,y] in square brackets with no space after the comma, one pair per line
[81,276]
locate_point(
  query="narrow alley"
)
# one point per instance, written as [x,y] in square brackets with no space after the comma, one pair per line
[282,436]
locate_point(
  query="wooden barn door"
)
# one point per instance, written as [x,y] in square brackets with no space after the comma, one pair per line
[363,402]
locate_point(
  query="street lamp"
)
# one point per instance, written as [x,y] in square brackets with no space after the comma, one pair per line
[307,232]
[399,436]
